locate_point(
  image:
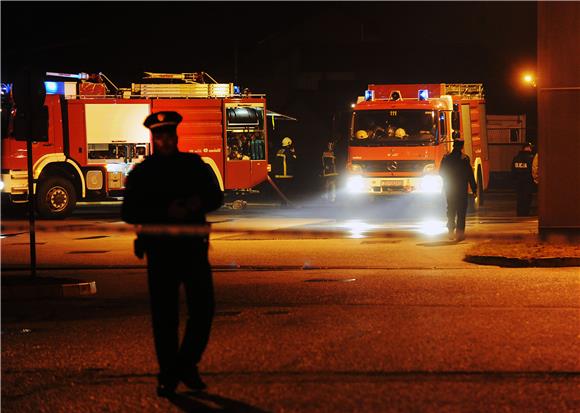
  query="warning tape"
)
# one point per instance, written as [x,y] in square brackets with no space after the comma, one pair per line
[172,230]
[201,230]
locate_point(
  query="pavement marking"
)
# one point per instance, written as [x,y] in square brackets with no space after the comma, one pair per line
[93,237]
[89,252]
[328,280]
[27,243]
[386,241]
[11,235]
[277,312]
[227,313]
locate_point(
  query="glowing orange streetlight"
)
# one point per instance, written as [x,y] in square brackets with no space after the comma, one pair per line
[529,79]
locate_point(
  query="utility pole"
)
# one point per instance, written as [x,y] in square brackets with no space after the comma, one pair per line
[30,124]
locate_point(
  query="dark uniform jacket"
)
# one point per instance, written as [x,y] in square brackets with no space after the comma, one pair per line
[457,173]
[158,181]
[522,169]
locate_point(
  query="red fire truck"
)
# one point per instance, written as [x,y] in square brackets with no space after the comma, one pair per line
[96,136]
[399,134]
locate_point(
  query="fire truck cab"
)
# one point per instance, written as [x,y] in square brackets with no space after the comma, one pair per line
[96,136]
[399,134]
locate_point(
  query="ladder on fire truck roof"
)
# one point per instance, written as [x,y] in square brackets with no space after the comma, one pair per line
[194,86]
[467,90]
[195,77]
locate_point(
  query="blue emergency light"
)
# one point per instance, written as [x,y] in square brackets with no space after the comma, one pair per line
[423,94]
[369,95]
[236,90]
[6,88]
[54,88]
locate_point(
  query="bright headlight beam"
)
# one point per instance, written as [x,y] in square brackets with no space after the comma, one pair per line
[357,228]
[431,184]
[355,184]
[432,227]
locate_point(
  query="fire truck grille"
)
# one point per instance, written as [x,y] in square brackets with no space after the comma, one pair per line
[392,166]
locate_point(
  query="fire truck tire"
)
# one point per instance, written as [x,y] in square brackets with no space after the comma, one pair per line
[56,198]
[480,196]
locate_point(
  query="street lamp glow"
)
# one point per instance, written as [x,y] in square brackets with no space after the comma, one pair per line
[529,79]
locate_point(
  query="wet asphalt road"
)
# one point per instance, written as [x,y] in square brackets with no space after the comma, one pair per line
[398,324]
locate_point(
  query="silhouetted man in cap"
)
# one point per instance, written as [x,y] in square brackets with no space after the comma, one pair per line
[175,188]
[457,173]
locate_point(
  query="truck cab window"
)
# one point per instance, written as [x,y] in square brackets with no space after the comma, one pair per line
[408,127]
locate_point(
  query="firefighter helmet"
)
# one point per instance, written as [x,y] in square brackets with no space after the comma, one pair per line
[361,134]
[286,142]
[400,133]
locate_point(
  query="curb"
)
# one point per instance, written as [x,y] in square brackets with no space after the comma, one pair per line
[69,288]
[501,261]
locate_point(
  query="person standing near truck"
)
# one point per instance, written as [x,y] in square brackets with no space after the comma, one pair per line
[523,179]
[284,169]
[329,172]
[174,188]
[457,174]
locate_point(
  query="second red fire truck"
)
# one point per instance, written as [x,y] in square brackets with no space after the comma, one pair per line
[399,134]
[95,137]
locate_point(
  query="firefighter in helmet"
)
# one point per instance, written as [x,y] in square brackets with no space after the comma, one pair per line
[361,134]
[285,166]
[329,172]
[400,133]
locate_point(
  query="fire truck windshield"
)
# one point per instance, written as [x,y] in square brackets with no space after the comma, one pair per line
[409,127]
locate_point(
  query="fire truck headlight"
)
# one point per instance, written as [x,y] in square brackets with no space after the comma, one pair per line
[429,168]
[431,184]
[355,168]
[355,184]
[1,185]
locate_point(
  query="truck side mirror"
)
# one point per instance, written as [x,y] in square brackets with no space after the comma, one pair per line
[455,120]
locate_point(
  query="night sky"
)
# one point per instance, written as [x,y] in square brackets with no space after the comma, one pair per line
[311,59]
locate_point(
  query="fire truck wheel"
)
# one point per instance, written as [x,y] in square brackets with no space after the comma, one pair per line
[480,197]
[55,198]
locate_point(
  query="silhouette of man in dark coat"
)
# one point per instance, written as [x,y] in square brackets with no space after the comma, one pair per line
[457,173]
[174,188]
[523,179]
